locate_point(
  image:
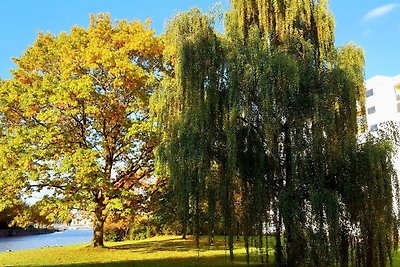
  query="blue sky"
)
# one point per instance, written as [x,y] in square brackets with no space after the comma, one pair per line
[375,25]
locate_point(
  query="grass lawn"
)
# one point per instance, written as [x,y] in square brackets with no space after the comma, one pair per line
[157,251]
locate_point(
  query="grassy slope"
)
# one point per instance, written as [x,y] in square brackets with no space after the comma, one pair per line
[158,251]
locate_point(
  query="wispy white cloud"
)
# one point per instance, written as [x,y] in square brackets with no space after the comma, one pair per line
[380,11]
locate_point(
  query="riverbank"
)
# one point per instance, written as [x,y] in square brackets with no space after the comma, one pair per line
[24,232]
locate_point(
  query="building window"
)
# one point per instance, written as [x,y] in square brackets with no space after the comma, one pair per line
[371,110]
[373,128]
[370,92]
[398,107]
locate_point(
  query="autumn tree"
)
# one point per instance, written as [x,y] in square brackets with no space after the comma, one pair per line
[12,185]
[77,106]
[268,115]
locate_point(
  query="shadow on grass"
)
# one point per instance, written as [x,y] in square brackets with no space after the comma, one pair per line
[172,255]
[217,261]
[149,243]
[173,245]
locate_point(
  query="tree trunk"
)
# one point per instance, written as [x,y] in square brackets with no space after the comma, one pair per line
[98,229]
[278,244]
[230,244]
[246,245]
[184,228]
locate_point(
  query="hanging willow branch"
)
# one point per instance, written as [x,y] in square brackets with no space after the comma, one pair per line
[260,128]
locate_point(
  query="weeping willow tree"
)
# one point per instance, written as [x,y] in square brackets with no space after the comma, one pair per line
[187,108]
[269,115]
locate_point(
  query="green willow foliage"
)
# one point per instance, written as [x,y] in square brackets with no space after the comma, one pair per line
[260,128]
[196,52]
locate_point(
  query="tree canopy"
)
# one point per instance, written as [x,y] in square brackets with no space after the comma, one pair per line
[76,116]
[261,128]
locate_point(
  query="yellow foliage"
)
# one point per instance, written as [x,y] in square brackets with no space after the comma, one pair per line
[73,99]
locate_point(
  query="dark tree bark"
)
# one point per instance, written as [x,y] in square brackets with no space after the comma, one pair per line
[98,229]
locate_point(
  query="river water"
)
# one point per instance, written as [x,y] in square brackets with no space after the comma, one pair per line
[66,237]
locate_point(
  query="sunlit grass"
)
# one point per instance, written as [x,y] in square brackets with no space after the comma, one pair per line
[157,251]
[396,259]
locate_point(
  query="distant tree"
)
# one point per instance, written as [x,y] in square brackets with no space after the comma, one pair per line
[23,216]
[8,214]
[34,216]
[263,123]
[77,106]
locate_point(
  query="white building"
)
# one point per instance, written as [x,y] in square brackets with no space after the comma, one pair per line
[80,220]
[382,100]
[383,104]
